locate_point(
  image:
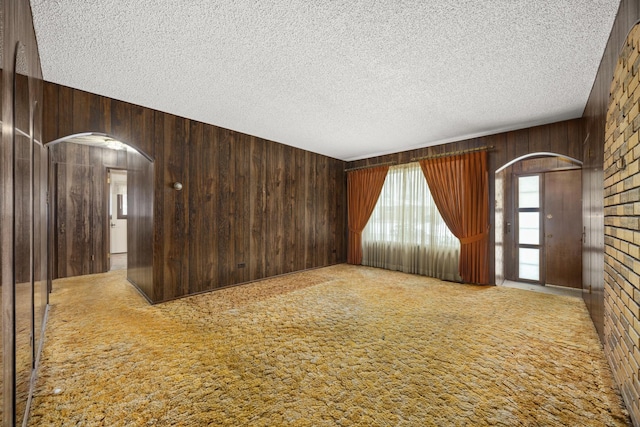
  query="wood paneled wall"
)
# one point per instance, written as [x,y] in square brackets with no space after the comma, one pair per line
[563,138]
[22,180]
[23,238]
[140,222]
[249,208]
[593,178]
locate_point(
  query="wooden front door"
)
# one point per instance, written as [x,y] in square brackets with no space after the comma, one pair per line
[563,228]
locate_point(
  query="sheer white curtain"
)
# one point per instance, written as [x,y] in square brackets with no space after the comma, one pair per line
[406,232]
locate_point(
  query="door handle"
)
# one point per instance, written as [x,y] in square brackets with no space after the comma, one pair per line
[113,224]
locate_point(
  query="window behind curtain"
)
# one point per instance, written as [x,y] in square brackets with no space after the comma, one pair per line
[406,232]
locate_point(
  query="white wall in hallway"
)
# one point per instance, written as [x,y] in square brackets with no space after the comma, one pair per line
[118,226]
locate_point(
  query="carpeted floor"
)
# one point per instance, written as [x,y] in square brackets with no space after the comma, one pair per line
[342,345]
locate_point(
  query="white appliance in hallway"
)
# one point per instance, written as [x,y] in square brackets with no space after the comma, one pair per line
[118,211]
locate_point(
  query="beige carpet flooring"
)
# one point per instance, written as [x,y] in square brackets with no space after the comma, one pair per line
[343,345]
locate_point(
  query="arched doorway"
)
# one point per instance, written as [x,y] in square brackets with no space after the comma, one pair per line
[538,229]
[81,209]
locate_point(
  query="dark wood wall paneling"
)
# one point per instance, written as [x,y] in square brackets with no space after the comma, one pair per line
[22,180]
[140,222]
[563,138]
[249,208]
[140,193]
[592,179]
[23,303]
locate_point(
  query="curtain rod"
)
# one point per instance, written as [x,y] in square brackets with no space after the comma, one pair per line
[453,153]
[371,166]
[433,156]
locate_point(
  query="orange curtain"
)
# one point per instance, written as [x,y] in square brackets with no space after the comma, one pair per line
[363,189]
[459,185]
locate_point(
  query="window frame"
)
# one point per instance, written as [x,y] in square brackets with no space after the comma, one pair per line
[540,211]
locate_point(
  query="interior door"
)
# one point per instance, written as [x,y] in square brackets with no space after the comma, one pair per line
[73,219]
[563,228]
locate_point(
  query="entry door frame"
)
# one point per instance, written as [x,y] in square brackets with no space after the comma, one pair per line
[541,241]
[557,243]
[107,216]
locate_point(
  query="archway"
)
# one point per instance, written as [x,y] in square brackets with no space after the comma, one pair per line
[550,209]
[80,209]
[100,140]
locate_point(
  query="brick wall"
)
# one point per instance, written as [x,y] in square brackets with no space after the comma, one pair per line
[622,225]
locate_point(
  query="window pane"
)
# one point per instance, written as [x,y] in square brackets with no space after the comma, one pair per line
[529,228]
[529,191]
[406,232]
[529,264]
[405,212]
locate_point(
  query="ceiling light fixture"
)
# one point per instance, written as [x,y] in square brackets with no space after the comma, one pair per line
[114,145]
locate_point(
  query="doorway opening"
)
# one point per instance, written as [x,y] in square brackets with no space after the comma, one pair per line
[118,210]
[83,208]
[539,229]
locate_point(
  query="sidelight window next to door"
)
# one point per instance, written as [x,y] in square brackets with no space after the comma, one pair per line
[529,242]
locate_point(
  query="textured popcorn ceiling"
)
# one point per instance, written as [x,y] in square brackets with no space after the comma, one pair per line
[348,79]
